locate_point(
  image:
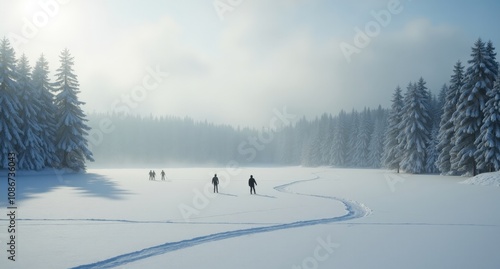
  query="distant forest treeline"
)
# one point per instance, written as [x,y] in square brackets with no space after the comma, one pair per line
[135,140]
[455,132]
[349,139]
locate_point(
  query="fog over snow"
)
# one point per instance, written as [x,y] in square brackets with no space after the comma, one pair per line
[235,61]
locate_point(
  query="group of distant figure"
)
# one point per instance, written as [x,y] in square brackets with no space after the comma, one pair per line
[152,175]
[215,181]
[251,183]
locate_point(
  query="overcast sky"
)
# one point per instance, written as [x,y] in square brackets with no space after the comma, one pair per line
[234,61]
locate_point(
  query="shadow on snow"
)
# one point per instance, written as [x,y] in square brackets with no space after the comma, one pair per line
[30,184]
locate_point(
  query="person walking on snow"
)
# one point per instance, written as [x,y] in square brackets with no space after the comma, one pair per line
[215,181]
[252,183]
[162,175]
[150,175]
[154,175]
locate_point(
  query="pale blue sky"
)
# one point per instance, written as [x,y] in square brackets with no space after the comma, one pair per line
[262,55]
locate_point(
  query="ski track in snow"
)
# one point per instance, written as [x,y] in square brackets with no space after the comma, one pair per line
[125,221]
[354,210]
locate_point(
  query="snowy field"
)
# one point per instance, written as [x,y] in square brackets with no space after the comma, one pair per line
[300,218]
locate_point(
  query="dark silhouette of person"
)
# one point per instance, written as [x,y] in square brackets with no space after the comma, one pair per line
[162,175]
[154,175]
[215,181]
[150,175]
[252,183]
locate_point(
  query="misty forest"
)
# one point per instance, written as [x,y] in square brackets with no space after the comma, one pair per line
[453,130]
[249,134]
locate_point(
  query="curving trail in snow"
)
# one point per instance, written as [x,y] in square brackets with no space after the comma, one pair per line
[354,210]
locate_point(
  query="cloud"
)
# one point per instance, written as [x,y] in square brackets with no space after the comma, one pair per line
[264,55]
[261,62]
[393,58]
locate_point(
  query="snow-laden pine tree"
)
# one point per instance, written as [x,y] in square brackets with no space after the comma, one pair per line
[325,137]
[71,146]
[436,111]
[46,116]
[490,50]
[447,124]
[340,141]
[392,147]
[31,157]
[437,105]
[432,153]
[353,134]
[361,150]
[441,100]
[376,147]
[487,154]
[10,107]
[471,104]
[415,128]
[402,136]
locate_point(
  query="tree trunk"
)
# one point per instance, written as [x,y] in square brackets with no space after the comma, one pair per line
[474,169]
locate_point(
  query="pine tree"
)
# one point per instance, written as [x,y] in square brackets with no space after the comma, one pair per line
[10,106]
[376,147]
[354,131]
[437,104]
[46,116]
[31,157]
[415,126]
[441,101]
[487,154]
[361,150]
[435,111]
[325,138]
[490,50]
[447,124]
[340,141]
[392,146]
[432,153]
[72,145]
[471,104]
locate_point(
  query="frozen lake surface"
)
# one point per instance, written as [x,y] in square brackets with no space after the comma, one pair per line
[300,218]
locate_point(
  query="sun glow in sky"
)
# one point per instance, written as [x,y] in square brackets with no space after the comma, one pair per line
[235,61]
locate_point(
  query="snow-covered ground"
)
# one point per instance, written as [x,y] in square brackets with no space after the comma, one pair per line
[486,179]
[301,218]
